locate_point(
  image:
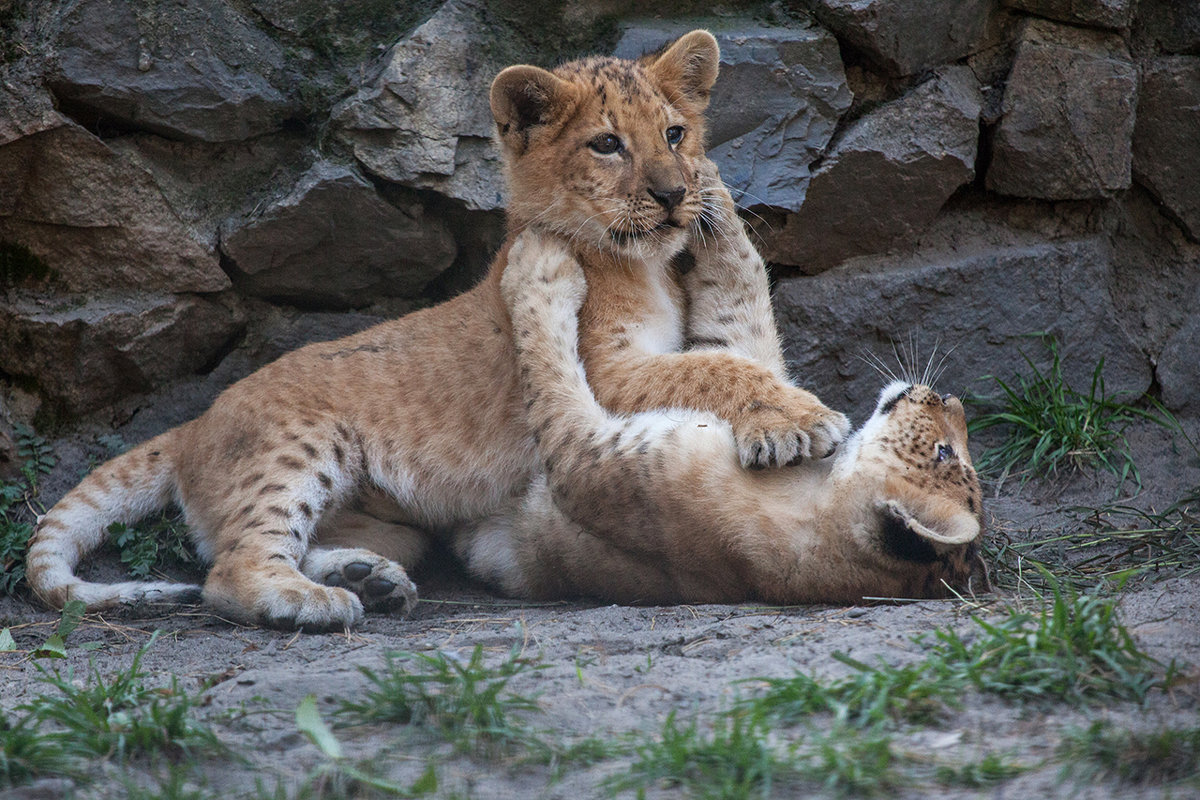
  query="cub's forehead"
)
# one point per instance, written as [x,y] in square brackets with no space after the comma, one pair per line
[618,87]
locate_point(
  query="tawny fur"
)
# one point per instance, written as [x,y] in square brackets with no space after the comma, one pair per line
[309,484]
[655,506]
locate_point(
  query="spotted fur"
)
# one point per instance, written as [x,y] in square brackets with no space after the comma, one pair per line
[300,472]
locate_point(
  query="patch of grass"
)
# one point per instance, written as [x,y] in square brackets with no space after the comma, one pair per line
[19,267]
[19,506]
[121,717]
[872,696]
[1075,651]
[992,768]
[27,753]
[1113,542]
[733,758]
[1051,426]
[467,700]
[1166,756]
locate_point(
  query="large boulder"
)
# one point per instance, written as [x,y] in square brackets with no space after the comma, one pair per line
[982,307]
[1100,13]
[1068,116]
[194,70]
[96,219]
[905,38]
[1166,139]
[424,121]
[84,352]
[334,242]
[887,177]
[774,108]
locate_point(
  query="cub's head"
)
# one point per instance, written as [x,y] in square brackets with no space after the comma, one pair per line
[927,508]
[607,152]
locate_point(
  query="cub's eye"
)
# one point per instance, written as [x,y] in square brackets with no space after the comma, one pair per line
[674,135]
[944,452]
[605,144]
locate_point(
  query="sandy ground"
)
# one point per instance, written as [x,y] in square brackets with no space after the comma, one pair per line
[610,670]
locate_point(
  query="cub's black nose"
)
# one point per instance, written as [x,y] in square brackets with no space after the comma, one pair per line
[668,199]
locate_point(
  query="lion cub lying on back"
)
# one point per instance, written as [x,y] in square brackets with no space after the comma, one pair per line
[308,485]
[655,507]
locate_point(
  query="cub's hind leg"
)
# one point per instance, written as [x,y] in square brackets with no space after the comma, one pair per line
[258,491]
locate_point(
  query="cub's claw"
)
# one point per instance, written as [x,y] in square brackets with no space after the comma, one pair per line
[773,436]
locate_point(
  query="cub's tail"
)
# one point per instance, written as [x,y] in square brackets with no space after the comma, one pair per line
[124,490]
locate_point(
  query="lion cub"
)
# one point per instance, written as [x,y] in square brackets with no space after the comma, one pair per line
[309,484]
[654,507]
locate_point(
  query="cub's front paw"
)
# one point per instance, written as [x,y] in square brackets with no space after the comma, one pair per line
[785,434]
[539,262]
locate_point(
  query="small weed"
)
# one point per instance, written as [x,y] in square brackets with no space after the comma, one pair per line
[469,701]
[339,777]
[19,506]
[735,758]
[153,543]
[122,717]
[990,769]
[850,761]
[1051,425]
[1165,756]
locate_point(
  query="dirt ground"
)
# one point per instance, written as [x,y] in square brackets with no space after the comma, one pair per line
[609,670]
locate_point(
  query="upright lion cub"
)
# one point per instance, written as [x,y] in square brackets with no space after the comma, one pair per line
[311,484]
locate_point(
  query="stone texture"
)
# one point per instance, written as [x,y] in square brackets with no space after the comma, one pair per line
[1068,116]
[84,352]
[1172,26]
[887,176]
[25,109]
[10,460]
[195,70]
[333,241]
[982,307]
[907,37]
[1101,13]
[97,219]
[424,120]
[1178,368]
[776,103]
[1166,139]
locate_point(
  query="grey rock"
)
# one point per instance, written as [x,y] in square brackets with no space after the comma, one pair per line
[96,218]
[1068,116]
[424,121]
[1170,26]
[774,108]
[195,70]
[1178,368]
[978,311]
[333,241]
[84,352]
[10,460]
[907,37]
[25,109]
[1101,13]
[887,177]
[1166,138]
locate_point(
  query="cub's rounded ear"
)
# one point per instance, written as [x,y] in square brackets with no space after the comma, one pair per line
[921,536]
[523,97]
[688,65]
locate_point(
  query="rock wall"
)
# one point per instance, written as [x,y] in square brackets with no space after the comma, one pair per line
[941,174]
